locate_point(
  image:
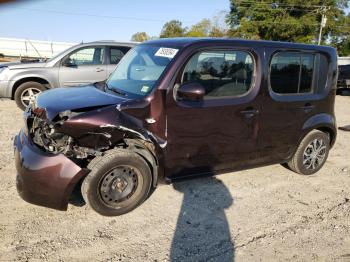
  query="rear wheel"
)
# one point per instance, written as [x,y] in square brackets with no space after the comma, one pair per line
[27,92]
[118,182]
[311,154]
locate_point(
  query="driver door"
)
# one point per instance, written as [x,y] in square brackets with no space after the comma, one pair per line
[220,132]
[83,66]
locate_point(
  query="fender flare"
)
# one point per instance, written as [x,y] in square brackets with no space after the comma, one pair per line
[139,148]
[323,122]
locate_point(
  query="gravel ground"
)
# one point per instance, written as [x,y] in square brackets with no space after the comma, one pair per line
[262,214]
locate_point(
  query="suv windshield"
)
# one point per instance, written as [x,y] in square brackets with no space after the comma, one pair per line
[140,69]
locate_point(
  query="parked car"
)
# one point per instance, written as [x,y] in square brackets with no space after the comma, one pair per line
[79,65]
[175,109]
[344,76]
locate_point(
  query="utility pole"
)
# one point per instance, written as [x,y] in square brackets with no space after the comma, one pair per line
[323,11]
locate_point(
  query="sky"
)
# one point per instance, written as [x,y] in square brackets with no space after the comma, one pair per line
[89,20]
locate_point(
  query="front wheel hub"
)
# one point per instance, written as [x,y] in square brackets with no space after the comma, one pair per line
[118,185]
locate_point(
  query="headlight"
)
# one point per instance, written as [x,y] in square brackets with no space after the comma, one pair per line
[2,68]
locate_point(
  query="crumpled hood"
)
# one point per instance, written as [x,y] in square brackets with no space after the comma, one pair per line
[58,100]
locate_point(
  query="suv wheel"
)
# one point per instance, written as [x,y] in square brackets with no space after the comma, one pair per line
[117,183]
[311,154]
[27,92]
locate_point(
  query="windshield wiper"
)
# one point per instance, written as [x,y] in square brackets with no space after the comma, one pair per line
[115,90]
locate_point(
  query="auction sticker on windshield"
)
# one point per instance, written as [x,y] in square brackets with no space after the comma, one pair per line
[166,52]
[144,89]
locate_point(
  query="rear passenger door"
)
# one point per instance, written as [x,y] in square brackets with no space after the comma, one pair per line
[295,83]
[220,132]
[114,55]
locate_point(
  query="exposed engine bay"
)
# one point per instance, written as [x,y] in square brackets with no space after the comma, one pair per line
[48,136]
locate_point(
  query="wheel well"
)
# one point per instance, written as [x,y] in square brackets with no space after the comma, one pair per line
[29,79]
[329,131]
[148,155]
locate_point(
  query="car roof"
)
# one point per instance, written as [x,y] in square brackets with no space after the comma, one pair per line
[185,41]
[110,42]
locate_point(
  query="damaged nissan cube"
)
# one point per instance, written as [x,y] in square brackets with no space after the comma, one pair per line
[176,109]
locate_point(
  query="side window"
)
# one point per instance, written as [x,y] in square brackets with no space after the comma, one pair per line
[221,73]
[292,73]
[87,56]
[117,53]
[321,75]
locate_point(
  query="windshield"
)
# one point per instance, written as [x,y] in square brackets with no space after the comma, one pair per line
[140,69]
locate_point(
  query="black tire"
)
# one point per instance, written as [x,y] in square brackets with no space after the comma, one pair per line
[302,164]
[25,87]
[102,168]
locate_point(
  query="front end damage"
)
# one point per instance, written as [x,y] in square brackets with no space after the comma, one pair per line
[52,152]
[50,136]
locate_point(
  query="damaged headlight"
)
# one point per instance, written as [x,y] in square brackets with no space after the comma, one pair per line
[47,135]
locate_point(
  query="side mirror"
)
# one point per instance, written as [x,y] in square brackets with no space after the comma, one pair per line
[69,63]
[190,92]
[343,91]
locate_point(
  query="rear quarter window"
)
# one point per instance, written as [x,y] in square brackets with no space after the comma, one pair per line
[117,53]
[298,73]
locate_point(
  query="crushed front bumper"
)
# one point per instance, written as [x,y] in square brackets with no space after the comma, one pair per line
[44,179]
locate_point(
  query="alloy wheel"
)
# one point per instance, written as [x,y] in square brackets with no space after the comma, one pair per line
[314,154]
[29,95]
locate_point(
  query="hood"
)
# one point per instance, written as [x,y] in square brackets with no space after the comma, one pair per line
[9,63]
[20,65]
[75,99]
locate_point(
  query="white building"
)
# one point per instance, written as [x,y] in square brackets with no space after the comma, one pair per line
[16,47]
[343,60]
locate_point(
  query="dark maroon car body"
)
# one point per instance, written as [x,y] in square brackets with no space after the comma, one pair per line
[185,138]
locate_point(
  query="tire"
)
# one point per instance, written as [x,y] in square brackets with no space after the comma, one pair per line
[29,90]
[307,160]
[102,190]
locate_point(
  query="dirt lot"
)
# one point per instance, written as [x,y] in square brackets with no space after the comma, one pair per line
[262,214]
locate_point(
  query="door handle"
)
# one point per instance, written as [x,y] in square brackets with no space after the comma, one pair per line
[250,112]
[307,107]
[99,70]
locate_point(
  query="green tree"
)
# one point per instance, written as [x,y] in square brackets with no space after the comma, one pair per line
[287,20]
[201,29]
[140,37]
[172,28]
[342,40]
[219,26]
[215,27]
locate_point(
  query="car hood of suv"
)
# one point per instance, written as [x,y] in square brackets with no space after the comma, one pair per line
[79,99]
[20,65]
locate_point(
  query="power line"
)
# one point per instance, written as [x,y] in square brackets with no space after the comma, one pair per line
[278,4]
[160,20]
[97,16]
[276,8]
[291,23]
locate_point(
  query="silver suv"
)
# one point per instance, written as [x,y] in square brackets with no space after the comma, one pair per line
[77,66]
